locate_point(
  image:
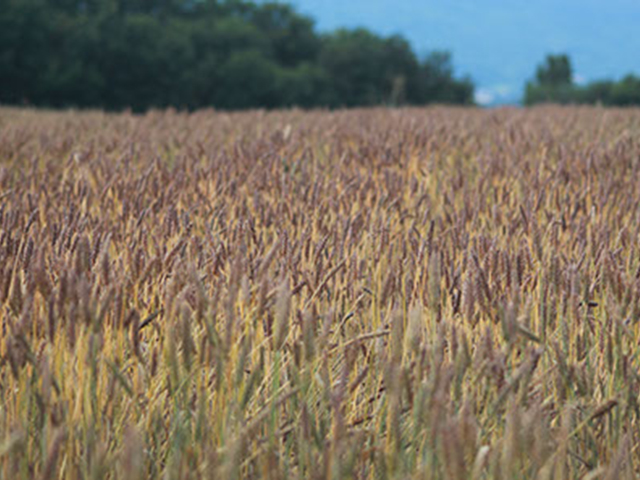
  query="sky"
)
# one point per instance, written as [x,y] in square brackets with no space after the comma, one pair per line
[500,42]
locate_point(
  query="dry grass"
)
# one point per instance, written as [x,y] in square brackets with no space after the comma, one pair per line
[438,294]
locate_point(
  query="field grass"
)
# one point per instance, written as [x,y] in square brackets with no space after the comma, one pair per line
[368,294]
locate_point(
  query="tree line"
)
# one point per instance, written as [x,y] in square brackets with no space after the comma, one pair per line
[229,54]
[554,83]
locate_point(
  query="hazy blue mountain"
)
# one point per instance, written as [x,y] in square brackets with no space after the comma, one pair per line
[499,42]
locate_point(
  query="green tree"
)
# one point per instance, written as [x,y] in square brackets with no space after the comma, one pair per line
[306,85]
[289,34]
[556,70]
[363,67]
[626,92]
[247,79]
[24,33]
[143,60]
[553,82]
[436,83]
[230,54]
[599,92]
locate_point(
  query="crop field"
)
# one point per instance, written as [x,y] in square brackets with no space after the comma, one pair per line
[369,294]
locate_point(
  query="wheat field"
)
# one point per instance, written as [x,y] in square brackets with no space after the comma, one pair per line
[369,294]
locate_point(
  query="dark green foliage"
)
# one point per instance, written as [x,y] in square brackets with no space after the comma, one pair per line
[435,81]
[230,54]
[626,91]
[554,84]
[363,67]
[597,92]
[555,71]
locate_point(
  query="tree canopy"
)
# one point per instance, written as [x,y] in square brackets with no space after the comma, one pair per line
[554,83]
[229,54]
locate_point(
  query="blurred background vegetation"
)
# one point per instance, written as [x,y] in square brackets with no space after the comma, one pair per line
[141,54]
[554,83]
[235,54]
